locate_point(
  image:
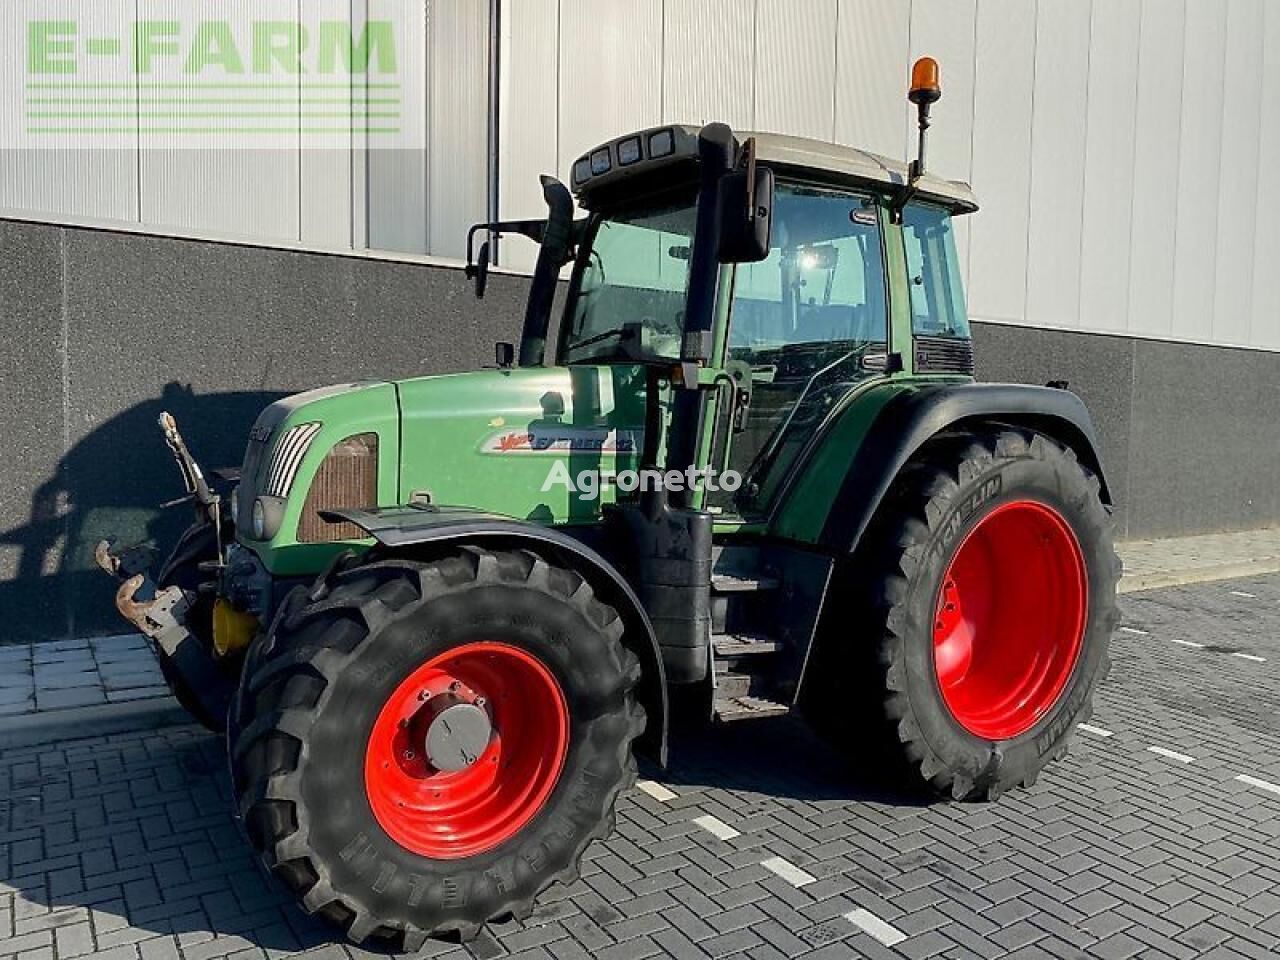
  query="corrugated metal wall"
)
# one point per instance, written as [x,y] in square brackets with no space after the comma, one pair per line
[1123,150]
[1118,147]
[330,191]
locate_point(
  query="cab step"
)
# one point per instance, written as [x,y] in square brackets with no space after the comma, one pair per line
[731,646]
[732,583]
[730,709]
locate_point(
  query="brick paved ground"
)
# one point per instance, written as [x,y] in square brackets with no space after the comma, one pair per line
[122,848]
[77,673]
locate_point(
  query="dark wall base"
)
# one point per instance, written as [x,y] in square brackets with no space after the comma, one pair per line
[104,330]
[1190,433]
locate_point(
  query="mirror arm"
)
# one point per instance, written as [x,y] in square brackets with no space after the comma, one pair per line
[533,229]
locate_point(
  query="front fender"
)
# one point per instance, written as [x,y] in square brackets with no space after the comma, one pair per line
[910,419]
[399,529]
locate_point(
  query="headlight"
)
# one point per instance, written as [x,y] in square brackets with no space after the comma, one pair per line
[259,520]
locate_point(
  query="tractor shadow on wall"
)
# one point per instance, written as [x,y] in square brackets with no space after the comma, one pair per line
[111,483]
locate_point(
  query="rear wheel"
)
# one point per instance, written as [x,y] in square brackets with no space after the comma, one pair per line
[988,585]
[430,745]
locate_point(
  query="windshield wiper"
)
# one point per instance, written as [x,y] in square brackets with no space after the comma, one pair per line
[621,333]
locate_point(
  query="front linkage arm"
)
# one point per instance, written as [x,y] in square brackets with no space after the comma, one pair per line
[161,613]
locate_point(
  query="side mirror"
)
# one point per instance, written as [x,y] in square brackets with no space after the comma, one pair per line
[478,272]
[746,215]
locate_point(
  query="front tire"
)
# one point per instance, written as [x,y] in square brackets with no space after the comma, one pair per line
[430,745]
[988,583]
[197,545]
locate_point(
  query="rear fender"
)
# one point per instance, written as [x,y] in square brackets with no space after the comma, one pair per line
[436,529]
[912,418]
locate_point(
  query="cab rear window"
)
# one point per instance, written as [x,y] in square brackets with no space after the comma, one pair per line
[933,273]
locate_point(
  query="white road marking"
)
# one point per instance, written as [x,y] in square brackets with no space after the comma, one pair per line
[1172,754]
[1186,643]
[655,790]
[868,922]
[1260,784]
[717,826]
[1096,731]
[1135,631]
[1241,593]
[788,871]
[1250,656]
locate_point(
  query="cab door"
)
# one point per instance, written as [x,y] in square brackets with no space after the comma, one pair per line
[807,326]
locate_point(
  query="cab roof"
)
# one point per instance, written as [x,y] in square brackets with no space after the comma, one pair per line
[659,153]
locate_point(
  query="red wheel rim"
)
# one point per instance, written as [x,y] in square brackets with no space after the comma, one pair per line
[1010,618]
[449,814]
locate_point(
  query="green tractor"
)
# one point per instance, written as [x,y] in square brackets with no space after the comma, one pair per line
[439,617]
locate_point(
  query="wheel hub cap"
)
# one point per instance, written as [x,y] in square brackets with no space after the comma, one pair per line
[457,735]
[466,750]
[1009,619]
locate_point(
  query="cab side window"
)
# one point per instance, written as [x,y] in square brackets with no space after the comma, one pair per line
[809,321]
[933,273]
[823,282]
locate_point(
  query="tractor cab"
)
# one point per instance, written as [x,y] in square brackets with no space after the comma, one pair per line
[853,279]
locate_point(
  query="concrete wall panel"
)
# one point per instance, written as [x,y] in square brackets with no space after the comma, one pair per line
[610,71]
[1111,116]
[457,137]
[1199,167]
[872,67]
[707,63]
[1157,139]
[1264,329]
[1238,184]
[796,67]
[947,31]
[1002,111]
[1057,163]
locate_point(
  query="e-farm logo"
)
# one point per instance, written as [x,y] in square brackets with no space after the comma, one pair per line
[109,75]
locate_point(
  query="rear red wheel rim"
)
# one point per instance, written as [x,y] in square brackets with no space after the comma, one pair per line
[1010,618]
[460,813]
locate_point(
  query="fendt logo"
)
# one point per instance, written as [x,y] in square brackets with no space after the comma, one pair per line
[276,75]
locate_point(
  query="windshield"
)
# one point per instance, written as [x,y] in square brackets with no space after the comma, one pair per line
[629,294]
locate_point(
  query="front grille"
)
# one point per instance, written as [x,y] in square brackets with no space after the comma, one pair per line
[287,458]
[348,477]
[944,355]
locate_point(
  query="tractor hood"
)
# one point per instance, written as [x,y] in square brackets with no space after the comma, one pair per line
[503,441]
[492,439]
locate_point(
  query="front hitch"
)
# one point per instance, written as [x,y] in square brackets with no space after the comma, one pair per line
[160,614]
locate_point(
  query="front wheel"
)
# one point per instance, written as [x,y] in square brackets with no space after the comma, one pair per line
[430,745]
[988,583]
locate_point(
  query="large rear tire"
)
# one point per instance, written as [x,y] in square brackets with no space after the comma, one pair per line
[429,745]
[987,587]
